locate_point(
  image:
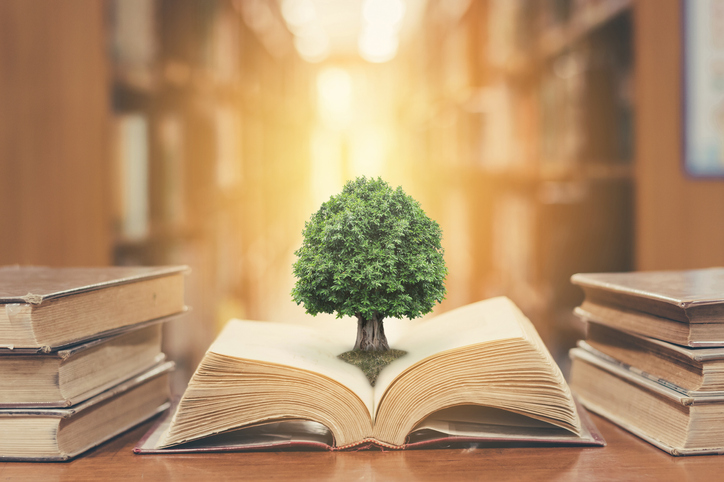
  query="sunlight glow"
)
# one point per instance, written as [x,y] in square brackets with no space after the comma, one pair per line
[383,12]
[298,12]
[378,41]
[368,149]
[334,89]
[378,44]
[326,153]
[312,43]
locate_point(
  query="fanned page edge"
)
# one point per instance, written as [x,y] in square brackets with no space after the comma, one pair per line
[222,347]
[304,344]
[147,444]
[290,346]
[493,310]
[417,354]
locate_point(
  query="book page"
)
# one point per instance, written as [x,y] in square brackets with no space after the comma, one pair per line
[484,321]
[296,346]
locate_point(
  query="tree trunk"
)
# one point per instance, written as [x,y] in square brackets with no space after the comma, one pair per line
[371,334]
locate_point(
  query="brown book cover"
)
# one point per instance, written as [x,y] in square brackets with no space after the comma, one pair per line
[689,296]
[47,308]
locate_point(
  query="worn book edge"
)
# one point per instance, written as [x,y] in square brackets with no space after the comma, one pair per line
[609,283]
[147,445]
[588,317]
[645,380]
[697,354]
[37,298]
[65,403]
[101,397]
[67,349]
[161,369]
[677,451]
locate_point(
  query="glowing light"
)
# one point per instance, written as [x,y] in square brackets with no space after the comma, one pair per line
[383,12]
[378,44]
[379,41]
[369,147]
[326,154]
[298,13]
[312,43]
[334,88]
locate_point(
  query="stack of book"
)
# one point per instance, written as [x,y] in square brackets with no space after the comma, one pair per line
[80,355]
[653,358]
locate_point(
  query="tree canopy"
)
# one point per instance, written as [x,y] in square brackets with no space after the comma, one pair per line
[370,252]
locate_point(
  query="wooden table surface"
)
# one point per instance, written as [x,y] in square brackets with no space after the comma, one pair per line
[625,458]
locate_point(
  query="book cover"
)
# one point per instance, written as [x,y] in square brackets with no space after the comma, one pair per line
[689,296]
[47,308]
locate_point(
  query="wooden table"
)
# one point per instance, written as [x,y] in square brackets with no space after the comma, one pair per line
[625,458]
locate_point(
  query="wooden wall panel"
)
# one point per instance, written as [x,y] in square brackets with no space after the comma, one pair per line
[54,108]
[679,220]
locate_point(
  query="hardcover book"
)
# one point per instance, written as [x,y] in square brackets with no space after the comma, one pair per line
[694,370]
[665,415]
[66,377]
[45,309]
[682,307]
[37,434]
[477,373]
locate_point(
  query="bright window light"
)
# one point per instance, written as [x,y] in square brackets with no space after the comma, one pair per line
[378,44]
[312,43]
[298,13]
[334,86]
[383,12]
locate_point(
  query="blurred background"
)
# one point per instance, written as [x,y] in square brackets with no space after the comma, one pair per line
[545,136]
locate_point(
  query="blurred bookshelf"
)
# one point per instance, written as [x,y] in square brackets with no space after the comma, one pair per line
[529,118]
[209,100]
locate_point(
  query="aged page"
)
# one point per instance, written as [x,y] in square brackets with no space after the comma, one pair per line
[261,372]
[485,321]
[295,346]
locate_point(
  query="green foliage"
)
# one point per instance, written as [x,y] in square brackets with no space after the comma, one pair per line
[371,362]
[370,251]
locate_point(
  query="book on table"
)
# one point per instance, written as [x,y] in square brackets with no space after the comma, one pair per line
[80,354]
[45,309]
[478,373]
[68,376]
[668,416]
[653,358]
[681,307]
[56,434]
[696,371]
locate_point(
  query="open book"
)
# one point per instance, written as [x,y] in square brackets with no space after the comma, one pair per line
[480,372]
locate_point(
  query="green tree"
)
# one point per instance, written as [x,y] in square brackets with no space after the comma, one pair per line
[370,252]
